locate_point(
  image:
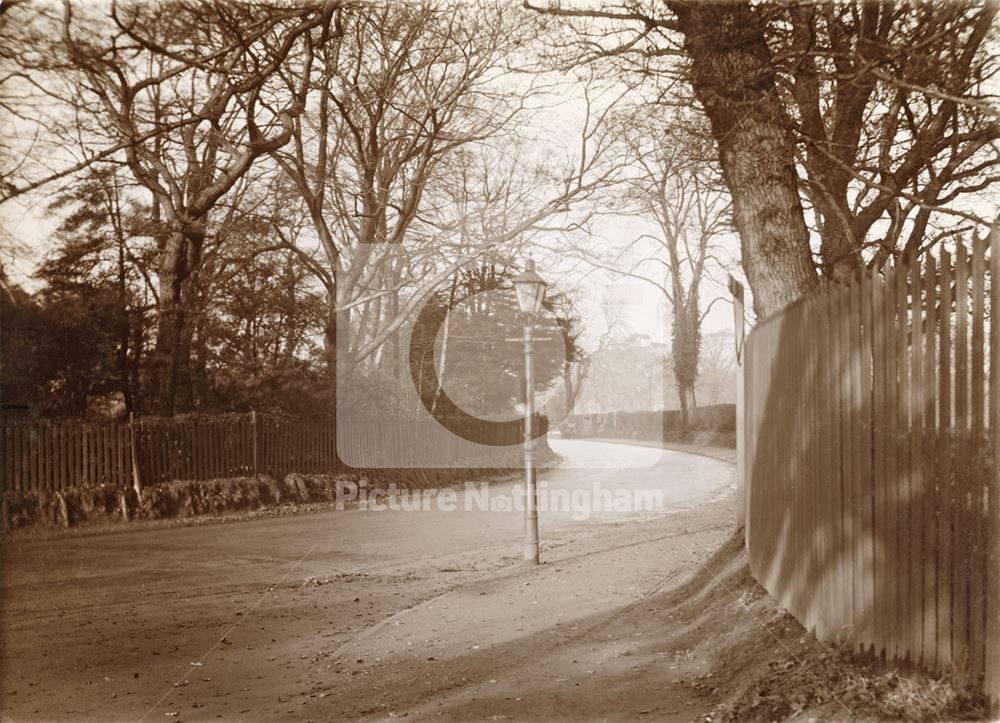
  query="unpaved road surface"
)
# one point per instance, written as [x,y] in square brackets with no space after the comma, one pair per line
[357,613]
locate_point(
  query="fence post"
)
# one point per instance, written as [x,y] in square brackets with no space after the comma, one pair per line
[992,662]
[136,481]
[736,289]
[253,444]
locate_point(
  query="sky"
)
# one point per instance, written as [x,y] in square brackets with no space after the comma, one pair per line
[28,225]
[640,306]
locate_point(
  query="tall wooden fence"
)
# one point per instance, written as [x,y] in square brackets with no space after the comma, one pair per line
[872,481]
[55,455]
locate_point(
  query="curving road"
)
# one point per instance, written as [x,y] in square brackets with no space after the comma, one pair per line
[229,620]
[678,479]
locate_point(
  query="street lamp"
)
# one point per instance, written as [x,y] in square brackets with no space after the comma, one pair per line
[530,289]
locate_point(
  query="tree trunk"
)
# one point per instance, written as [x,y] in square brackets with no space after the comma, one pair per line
[330,345]
[165,361]
[733,78]
[334,320]
[839,254]
[395,340]
[688,405]
[444,343]
[568,386]
[199,364]
[137,333]
[442,363]
[686,349]
[123,328]
[172,350]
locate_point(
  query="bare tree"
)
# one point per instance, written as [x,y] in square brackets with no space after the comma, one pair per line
[871,119]
[407,146]
[184,96]
[676,188]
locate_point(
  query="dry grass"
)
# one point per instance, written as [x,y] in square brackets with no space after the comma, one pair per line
[828,683]
[769,668]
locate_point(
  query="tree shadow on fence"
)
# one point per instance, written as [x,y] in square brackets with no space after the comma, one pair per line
[867,514]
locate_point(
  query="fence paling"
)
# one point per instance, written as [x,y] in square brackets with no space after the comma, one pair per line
[828,520]
[817,379]
[867,460]
[960,574]
[944,646]
[991,570]
[930,497]
[872,512]
[977,620]
[915,477]
[900,453]
[879,435]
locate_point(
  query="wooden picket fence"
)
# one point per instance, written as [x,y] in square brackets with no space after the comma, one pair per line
[50,456]
[871,425]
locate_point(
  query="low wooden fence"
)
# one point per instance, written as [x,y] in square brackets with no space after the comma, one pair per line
[872,482]
[55,455]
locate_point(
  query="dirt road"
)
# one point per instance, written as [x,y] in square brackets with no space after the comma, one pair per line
[268,619]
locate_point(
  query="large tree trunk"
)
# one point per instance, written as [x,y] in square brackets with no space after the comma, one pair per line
[733,78]
[165,359]
[172,351]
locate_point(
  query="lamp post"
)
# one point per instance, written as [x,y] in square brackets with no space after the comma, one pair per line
[530,289]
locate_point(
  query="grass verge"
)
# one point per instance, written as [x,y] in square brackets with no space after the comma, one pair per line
[766,667]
